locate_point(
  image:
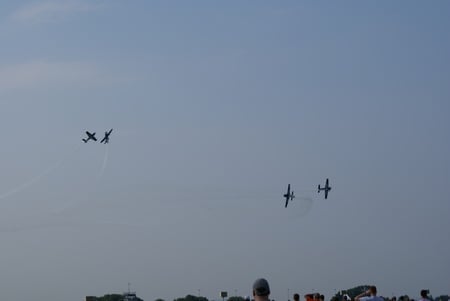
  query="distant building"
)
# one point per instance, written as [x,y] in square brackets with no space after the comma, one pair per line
[130,296]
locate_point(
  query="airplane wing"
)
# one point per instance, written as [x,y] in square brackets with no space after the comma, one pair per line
[110,131]
[287,195]
[326,193]
[103,140]
[91,136]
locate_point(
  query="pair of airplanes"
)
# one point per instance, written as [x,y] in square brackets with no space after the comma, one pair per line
[91,136]
[289,196]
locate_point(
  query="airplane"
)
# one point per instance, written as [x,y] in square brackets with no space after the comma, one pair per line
[106,138]
[90,136]
[289,195]
[326,188]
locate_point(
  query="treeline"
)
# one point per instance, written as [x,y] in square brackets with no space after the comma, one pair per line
[109,297]
[190,298]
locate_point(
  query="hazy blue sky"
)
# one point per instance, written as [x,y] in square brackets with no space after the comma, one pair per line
[216,107]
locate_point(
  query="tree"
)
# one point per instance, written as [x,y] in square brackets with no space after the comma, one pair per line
[236,298]
[192,298]
[111,297]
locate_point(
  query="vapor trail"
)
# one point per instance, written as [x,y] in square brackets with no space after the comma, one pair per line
[33,180]
[105,160]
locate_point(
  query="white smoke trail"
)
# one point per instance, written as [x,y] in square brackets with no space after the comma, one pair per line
[33,180]
[105,161]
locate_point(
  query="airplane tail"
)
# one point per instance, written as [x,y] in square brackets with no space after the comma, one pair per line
[318,189]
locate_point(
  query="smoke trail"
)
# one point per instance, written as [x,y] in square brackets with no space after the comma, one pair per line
[33,180]
[297,209]
[71,208]
[105,161]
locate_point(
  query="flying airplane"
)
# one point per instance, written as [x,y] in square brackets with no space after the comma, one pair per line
[289,195]
[89,137]
[106,138]
[326,189]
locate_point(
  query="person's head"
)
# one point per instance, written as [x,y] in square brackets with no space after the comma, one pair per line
[296,297]
[322,298]
[424,293]
[373,290]
[261,288]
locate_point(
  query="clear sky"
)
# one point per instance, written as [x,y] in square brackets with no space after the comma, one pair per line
[216,106]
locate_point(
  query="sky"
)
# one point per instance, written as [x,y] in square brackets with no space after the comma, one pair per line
[215,107]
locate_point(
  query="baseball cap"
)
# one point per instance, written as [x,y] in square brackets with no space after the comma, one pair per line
[261,287]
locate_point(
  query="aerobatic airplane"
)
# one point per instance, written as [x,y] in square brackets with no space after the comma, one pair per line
[89,137]
[106,138]
[289,195]
[326,189]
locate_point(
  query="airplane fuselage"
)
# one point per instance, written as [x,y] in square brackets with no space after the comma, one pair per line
[289,195]
[89,137]
[106,138]
[326,189]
